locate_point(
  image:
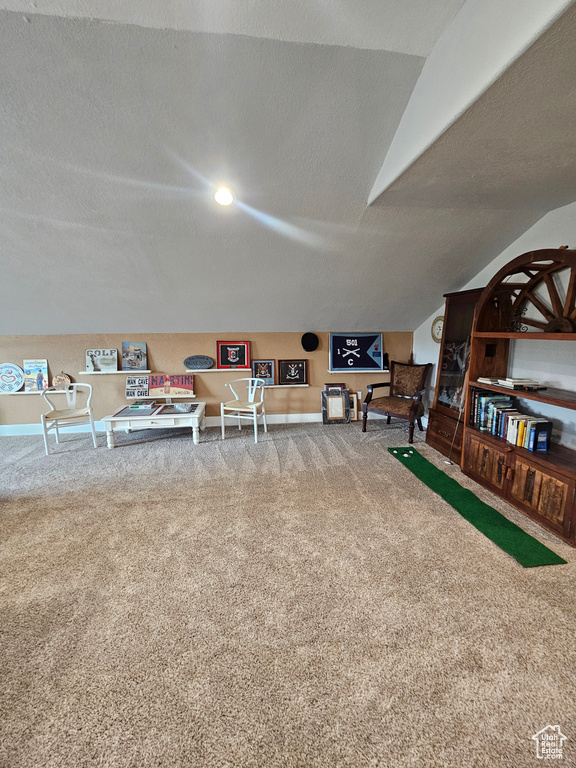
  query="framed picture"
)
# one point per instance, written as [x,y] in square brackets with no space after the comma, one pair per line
[335,406]
[165,385]
[292,371]
[334,386]
[101,360]
[134,356]
[233,354]
[353,406]
[263,369]
[35,375]
[356,352]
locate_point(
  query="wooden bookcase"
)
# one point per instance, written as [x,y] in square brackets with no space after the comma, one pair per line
[445,420]
[532,297]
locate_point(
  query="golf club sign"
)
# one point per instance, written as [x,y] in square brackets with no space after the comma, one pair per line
[356,352]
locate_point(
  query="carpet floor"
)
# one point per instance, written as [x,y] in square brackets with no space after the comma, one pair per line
[303,602]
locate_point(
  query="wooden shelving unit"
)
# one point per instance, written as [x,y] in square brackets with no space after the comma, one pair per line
[524,296]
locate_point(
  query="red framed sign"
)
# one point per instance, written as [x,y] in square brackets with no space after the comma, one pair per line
[233,354]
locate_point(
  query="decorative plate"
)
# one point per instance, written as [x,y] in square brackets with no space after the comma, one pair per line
[198,362]
[11,377]
[61,380]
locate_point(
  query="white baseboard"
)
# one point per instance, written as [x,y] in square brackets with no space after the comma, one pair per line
[10,430]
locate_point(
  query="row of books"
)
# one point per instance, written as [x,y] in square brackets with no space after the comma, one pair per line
[498,415]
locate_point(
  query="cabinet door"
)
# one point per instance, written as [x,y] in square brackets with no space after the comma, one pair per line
[484,462]
[538,490]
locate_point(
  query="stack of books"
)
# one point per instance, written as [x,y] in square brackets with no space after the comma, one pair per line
[512,383]
[141,405]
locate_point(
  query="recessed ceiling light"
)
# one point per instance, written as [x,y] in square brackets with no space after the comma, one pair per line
[224,196]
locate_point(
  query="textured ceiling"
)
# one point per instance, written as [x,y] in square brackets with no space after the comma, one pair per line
[115,129]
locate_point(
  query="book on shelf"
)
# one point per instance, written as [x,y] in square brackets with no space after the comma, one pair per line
[142,404]
[527,385]
[540,436]
[487,380]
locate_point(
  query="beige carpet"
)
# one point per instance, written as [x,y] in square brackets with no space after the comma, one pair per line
[301,603]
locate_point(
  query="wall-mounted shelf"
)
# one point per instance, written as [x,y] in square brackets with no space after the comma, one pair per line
[112,373]
[53,392]
[163,397]
[374,373]
[219,370]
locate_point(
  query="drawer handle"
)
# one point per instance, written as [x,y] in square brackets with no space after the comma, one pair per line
[444,434]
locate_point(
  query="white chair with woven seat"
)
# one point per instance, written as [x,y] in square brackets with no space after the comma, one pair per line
[248,404]
[77,412]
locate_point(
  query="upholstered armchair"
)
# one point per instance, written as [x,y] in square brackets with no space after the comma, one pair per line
[407,385]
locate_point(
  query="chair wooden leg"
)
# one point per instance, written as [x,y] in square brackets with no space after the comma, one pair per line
[364,419]
[411,432]
[420,427]
[264,419]
[388,417]
[255,426]
[222,421]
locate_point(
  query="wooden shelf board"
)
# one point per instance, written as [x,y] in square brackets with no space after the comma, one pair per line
[563,398]
[527,335]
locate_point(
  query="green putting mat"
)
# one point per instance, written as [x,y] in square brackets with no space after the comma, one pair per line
[524,548]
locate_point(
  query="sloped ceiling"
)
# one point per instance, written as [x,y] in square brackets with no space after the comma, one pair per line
[118,119]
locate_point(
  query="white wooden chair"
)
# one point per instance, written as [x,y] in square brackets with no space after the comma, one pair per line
[75,414]
[248,404]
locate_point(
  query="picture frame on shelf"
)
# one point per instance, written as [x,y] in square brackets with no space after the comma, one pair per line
[35,375]
[335,406]
[292,372]
[167,385]
[355,352]
[134,356]
[264,369]
[101,360]
[334,386]
[137,386]
[233,355]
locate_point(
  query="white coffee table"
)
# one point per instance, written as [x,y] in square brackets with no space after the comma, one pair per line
[155,420]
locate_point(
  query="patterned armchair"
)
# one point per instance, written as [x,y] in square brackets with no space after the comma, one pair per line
[407,385]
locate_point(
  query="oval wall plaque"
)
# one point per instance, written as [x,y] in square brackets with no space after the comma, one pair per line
[198,362]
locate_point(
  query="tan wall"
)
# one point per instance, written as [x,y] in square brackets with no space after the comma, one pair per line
[166,353]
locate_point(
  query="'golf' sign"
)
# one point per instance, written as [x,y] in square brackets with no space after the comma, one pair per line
[356,352]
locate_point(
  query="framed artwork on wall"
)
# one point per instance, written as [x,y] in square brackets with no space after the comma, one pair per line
[263,369]
[233,354]
[356,352]
[292,371]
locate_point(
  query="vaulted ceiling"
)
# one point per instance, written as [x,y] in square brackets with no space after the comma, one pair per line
[381,154]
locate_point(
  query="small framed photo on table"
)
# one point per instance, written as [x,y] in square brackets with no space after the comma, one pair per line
[263,369]
[292,371]
[233,354]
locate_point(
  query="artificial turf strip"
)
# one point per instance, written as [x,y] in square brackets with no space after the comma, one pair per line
[517,543]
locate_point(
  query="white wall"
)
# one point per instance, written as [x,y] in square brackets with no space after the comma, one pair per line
[553,363]
[482,41]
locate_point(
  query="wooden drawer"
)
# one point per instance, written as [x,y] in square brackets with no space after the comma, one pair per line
[440,433]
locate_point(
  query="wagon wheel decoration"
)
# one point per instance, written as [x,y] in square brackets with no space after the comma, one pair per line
[535,292]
